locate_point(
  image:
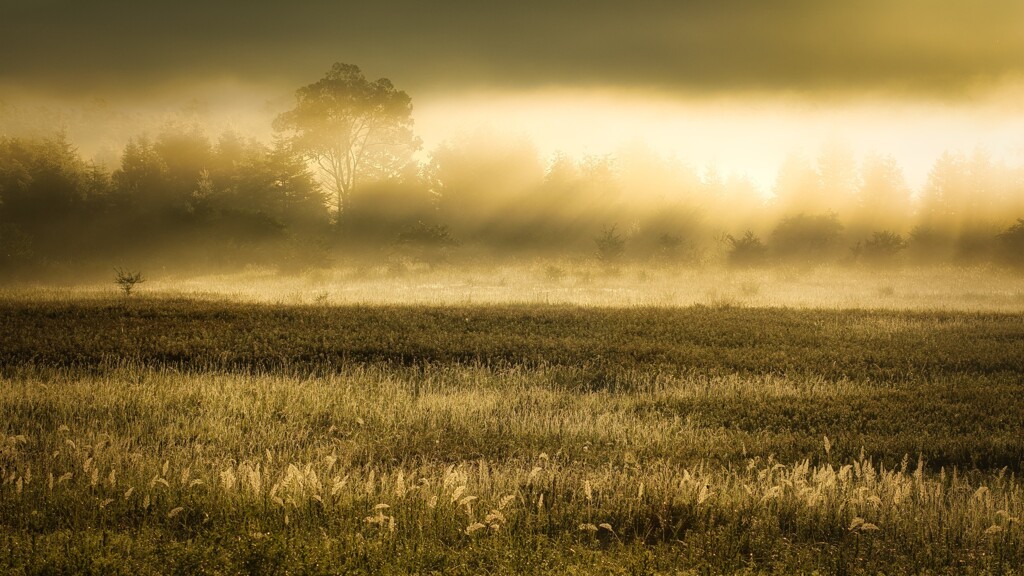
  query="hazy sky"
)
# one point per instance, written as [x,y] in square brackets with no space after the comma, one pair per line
[699,77]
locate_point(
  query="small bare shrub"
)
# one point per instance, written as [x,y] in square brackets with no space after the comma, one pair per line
[887,291]
[881,248]
[747,250]
[554,273]
[610,245]
[127,280]
[750,288]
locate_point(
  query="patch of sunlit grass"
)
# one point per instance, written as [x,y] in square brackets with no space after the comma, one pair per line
[369,457]
[588,285]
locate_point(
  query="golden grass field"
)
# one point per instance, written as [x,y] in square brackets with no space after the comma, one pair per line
[266,428]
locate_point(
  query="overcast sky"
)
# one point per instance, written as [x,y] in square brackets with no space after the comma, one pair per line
[957,55]
[938,48]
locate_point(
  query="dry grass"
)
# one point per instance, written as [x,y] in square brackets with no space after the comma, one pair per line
[262,439]
[474,462]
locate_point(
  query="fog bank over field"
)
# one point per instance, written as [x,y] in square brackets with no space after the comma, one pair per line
[558,283]
[707,136]
[733,84]
[193,193]
[741,135]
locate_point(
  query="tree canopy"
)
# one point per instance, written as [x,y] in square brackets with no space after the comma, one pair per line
[354,130]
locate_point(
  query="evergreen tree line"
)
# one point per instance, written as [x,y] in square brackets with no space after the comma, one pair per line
[184,199]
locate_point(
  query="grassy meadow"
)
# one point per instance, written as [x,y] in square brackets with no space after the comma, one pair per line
[166,433]
[575,282]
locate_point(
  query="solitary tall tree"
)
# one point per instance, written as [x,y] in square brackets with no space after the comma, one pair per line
[352,129]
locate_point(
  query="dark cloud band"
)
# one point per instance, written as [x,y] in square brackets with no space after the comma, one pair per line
[913,47]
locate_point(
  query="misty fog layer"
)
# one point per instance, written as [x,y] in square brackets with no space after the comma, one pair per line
[345,178]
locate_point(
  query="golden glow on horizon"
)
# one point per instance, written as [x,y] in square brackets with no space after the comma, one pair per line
[744,136]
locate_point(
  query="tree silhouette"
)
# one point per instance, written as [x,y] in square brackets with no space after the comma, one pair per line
[804,237]
[354,130]
[747,250]
[884,199]
[1011,244]
[610,245]
[948,180]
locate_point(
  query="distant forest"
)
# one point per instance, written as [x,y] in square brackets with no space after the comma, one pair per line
[196,202]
